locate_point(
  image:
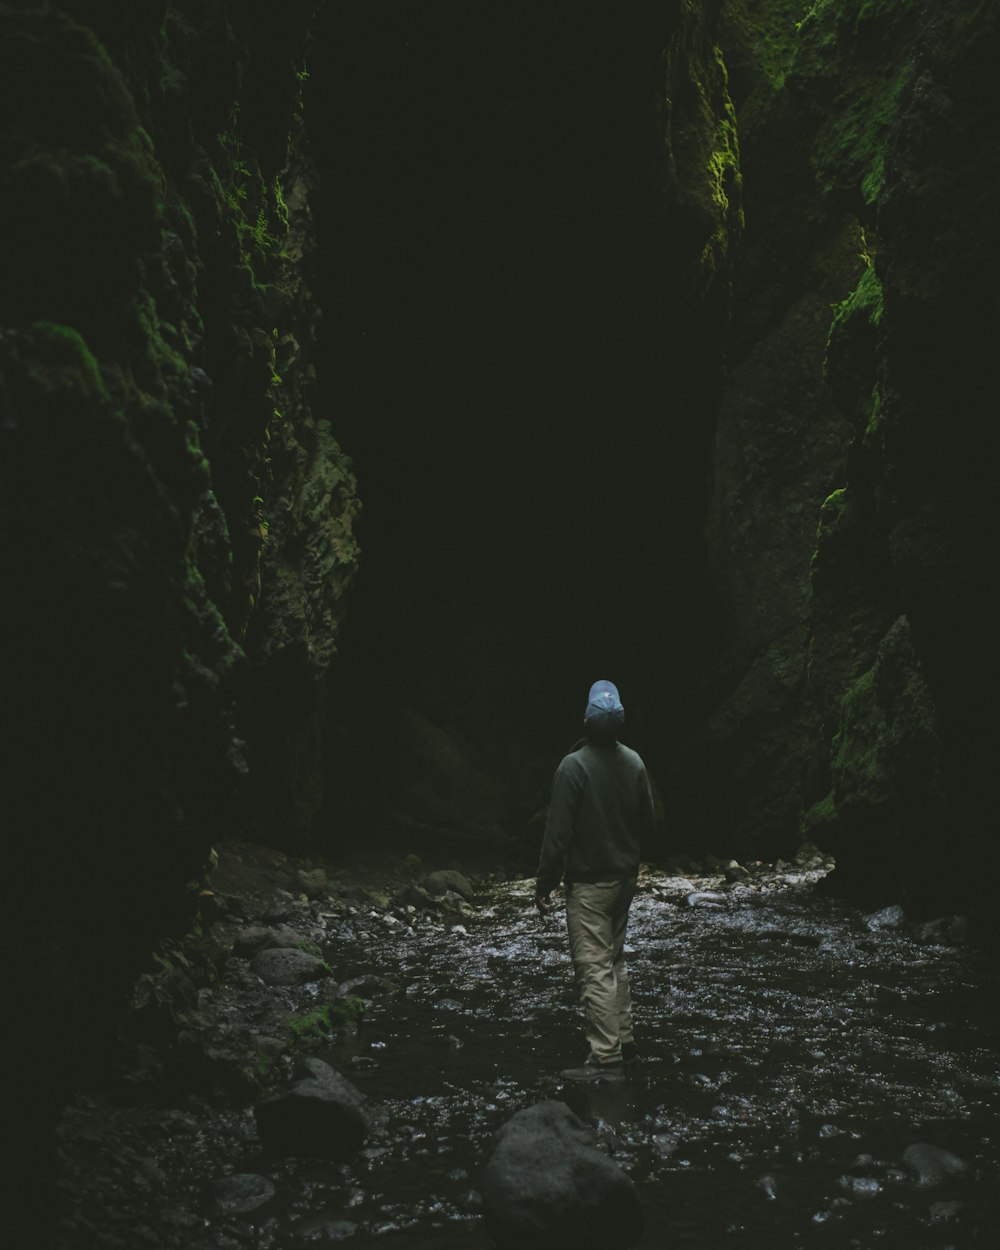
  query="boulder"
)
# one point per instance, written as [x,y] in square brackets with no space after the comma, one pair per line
[322,1115]
[240,1193]
[288,966]
[313,883]
[705,899]
[942,931]
[370,985]
[325,1230]
[438,883]
[548,1185]
[888,918]
[258,937]
[931,1164]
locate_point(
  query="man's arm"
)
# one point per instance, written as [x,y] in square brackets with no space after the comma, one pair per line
[646,818]
[567,786]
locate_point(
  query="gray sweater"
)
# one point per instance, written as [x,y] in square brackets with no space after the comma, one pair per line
[601,810]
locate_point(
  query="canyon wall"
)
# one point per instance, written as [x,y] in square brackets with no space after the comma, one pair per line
[176,514]
[851,530]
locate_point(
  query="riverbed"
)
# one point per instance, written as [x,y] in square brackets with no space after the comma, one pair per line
[808,1074]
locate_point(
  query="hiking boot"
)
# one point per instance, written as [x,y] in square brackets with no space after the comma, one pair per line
[590,1071]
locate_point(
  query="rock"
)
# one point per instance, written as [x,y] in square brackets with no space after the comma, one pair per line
[280,908]
[438,883]
[931,1164]
[675,885]
[256,938]
[367,986]
[288,966]
[707,899]
[243,1191]
[861,1186]
[325,1230]
[943,1212]
[735,872]
[548,1185]
[322,1114]
[416,896]
[942,931]
[313,883]
[888,918]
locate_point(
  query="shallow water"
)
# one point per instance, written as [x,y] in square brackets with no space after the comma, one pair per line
[790,1056]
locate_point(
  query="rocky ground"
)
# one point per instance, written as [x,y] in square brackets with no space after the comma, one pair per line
[804,1067]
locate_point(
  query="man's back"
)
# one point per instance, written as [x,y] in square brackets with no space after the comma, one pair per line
[601,810]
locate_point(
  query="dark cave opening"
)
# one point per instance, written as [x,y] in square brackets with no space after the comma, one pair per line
[523,375]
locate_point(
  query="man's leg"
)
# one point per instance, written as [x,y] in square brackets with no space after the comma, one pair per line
[623,990]
[592,920]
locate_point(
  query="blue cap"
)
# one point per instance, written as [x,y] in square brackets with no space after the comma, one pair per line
[603,703]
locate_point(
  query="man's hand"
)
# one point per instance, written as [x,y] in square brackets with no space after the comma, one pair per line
[544,904]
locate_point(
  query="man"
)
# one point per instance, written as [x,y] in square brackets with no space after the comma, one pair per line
[601,810]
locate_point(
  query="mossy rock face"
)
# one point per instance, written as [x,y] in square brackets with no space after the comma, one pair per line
[79,188]
[154,333]
[888,802]
[852,348]
[873,495]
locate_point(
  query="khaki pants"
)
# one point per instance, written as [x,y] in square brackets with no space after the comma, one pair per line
[596,915]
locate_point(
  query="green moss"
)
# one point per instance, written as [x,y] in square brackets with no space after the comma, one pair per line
[871,433]
[722,173]
[858,767]
[257,1068]
[65,361]
[821,817]
[865,301]
[318,1026]
[348,1010]
[771,31]
[831,511]
[313,1029]
[853,60]
[852,348]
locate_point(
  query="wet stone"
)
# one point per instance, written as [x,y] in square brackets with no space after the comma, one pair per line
[322,1115]
[440,883]
[943,931]
[547,1184]
[256,938]
[943,1212]
[368,986]
[243,1191]
[708,900]
[931,1164]
[325,1230]
[288,966]
[313,883]
[861,1186]
[888,918]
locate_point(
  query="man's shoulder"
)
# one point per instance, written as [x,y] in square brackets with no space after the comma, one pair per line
[572,761]
[632,758]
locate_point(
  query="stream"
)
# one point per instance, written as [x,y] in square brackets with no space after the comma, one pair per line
[798,1059]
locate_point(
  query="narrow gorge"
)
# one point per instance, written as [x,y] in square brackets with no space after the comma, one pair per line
[374,378]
